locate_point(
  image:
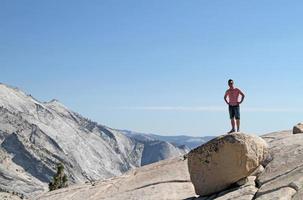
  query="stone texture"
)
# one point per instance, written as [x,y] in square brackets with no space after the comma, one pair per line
[285,193]
[225,160]
[8,196]
[258,171]
[282,179]
[286,168]
[35,136]
[298,128]
[242,181]
[298,195]
[167,179]
[244,192]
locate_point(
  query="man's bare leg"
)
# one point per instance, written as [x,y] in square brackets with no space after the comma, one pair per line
[232,121]
[238,125]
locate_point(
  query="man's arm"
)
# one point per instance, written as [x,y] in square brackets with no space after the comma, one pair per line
[242,96]
[225,97]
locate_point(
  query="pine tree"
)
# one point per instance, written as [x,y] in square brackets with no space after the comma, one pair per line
[59,179]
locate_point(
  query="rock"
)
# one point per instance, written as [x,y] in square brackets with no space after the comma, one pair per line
[242,181]
[284,193]
[298,195]
[297,184]
[280,180]
[202,198]
[168,179]
[8,196]
[35,136]
[298,128]
[258,171]
[242,193]
[225,160]
[286,168]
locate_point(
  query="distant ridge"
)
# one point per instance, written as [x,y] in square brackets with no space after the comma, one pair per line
[35,136]
[178,140]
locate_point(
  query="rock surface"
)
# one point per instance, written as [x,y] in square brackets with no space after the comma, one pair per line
[35,136]
[283,176]
[167,179]
[8,196]
[244,192]
[280,180]
[298,128]
[223,161]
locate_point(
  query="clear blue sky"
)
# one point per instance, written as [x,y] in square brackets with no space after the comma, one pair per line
[159,66]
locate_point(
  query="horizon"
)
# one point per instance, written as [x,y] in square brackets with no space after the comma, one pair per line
[218,109]
[159,67]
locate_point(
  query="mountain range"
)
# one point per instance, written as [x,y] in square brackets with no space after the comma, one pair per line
[35,136]
[179,140]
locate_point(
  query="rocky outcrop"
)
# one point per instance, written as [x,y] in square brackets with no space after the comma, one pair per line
[298,128]
[8,196]
[167,179]
[280,180]
[223,161]
[244,192]
[35,136]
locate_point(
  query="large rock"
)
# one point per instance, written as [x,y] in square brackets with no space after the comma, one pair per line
[283,175]
[225,160]
[298,128]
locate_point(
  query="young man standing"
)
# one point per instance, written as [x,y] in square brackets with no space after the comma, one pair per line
[234,104]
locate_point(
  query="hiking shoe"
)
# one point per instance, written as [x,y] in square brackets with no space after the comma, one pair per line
[231,131]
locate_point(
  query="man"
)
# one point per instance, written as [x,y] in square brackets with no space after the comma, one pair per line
[234,104]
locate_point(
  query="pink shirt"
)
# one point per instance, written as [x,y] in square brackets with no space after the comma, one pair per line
[233,96]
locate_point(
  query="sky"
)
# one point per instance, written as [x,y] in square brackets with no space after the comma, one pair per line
[159,66]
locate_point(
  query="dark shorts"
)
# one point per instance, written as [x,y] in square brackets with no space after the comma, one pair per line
[234,112]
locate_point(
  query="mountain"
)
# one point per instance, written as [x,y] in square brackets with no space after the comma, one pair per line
[180,140]
[169,179]
[35,136]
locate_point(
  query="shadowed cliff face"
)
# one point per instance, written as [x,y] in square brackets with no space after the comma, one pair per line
[25,159]
[35,136]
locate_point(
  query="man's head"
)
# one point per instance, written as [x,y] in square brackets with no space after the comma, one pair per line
[230,83]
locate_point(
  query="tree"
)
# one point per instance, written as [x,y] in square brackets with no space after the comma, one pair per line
[59,179]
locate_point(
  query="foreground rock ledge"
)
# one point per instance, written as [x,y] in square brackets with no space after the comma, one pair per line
[225,160]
